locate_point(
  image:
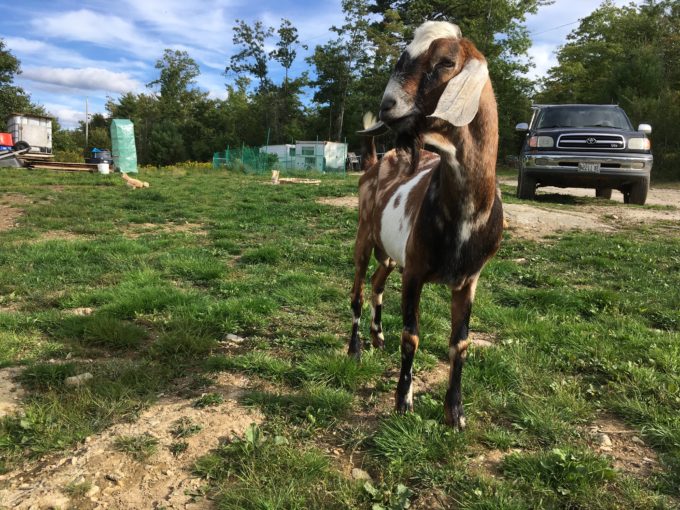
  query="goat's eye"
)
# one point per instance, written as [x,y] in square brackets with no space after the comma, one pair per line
[445,64]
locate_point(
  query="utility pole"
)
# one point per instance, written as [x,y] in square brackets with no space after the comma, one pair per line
[87,126]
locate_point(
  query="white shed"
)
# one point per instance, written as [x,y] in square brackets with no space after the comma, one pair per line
[310,155]
[35,130]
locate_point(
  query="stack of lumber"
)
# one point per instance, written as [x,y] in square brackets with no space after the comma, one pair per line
[58,165]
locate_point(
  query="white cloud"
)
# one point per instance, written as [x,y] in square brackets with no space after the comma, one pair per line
[100,29]
[88,78]
[543,57]
[68,117]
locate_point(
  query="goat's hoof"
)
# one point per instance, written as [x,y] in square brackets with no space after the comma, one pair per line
[455,417]
[404,406]
[378,343]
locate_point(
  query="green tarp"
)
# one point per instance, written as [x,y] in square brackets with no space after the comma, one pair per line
[123,147]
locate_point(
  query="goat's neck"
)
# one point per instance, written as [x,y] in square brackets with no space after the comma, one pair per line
[467,177]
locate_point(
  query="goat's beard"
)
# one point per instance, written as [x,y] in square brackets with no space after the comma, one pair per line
[410,138]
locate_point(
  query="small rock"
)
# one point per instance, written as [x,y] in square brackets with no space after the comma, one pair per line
[606,448]
[77,380]
[360,474]
[647,460]
[603,439]
[168,472]
[520,260]
[24,486]
[94,490]
[637,440]
[53,502]
[115,477]
[235,338]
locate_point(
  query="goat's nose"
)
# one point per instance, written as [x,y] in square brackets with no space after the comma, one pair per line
[387,104]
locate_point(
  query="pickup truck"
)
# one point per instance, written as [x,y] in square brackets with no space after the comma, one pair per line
[585,146]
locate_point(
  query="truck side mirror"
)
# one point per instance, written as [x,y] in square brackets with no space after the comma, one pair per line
[523,126]
[645,128]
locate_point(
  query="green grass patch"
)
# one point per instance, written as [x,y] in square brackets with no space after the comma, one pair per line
[259,471]
[585,323]
[139,447]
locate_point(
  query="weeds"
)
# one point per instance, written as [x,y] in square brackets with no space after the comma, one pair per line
[139,447]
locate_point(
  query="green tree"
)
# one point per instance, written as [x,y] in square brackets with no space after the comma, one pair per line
[285,51]
[341,63]
[252,58]
[177,81]
[12,97]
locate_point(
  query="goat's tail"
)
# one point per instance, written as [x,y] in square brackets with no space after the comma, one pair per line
[369,156]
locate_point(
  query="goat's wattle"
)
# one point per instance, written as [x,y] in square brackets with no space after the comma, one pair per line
[436,215]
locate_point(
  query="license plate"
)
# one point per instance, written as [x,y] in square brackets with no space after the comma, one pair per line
[593,168]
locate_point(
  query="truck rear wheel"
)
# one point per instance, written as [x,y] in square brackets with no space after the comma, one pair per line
[603,193]
[526,187]
[637,193]
[19,146]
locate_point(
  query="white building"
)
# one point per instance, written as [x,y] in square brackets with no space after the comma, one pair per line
[309,155]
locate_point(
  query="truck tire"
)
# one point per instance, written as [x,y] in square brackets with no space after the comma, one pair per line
[603,193]
[526,187]
[19,146]
[637,193]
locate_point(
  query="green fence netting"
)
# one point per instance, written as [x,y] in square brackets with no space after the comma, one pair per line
[123,147]
[254,161]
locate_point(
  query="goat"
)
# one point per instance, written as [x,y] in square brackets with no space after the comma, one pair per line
[438,216]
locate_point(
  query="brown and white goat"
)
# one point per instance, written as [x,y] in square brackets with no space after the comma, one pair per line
[436,215]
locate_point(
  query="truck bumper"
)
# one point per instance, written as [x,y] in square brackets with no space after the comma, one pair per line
[562,169]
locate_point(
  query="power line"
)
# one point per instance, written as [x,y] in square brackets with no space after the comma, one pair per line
[555,28]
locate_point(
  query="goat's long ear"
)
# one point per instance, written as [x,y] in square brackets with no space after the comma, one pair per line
[459,102]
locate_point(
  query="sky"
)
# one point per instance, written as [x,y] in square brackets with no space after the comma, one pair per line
[71,50]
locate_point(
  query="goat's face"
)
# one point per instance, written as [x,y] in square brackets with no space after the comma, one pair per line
[438,75]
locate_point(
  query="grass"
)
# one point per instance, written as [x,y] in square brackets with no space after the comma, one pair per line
[139,447]
[586,324]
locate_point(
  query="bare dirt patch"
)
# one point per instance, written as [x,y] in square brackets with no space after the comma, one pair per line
[535,222]
[349,202]
[10,391]
[656,196]
[629,453]
[115,479]
[10,209]
[134,231]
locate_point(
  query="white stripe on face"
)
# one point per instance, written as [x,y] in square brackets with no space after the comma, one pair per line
[428,32]
[396,225]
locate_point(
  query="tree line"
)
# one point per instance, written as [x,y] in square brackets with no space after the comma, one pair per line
[626,55]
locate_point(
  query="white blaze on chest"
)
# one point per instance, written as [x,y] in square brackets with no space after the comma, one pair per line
[396,226]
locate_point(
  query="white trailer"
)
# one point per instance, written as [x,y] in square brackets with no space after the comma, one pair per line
[33,130]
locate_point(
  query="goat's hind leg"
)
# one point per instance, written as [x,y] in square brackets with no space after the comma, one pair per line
[461,306]
[377,288]
[362,253]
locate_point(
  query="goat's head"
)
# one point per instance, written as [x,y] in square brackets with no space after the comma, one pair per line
[440,75]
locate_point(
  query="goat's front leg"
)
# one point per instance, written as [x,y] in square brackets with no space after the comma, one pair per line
[461,306]
[362,253]
[410,301]
[377,288]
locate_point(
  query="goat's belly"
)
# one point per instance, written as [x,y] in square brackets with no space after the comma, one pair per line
[397,221]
